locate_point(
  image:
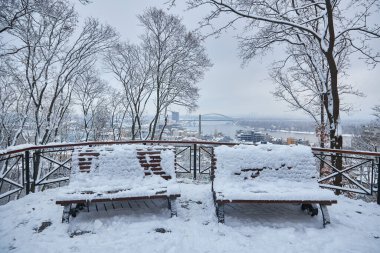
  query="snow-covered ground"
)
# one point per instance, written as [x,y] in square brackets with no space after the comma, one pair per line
[33,224]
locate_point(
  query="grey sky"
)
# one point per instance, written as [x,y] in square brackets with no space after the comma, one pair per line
[227,88]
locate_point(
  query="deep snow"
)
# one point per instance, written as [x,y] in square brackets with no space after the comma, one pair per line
[249,228]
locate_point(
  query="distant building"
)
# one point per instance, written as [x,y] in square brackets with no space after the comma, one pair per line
[291,140]
[250,136]
[303,142]
[175,116]
[278,141]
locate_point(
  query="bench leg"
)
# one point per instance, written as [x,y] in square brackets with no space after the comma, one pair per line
[220,212]
[71,210]
[325,215]
[66,214]
[312,209]
[172,205]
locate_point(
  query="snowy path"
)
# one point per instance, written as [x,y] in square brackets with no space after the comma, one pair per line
[146,227]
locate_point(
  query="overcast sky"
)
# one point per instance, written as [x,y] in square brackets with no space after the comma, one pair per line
[227,87]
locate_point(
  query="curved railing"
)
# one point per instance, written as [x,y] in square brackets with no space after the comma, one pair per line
[35,168]
[38,167]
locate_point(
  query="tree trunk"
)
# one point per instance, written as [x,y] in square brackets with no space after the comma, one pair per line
[157,112]
[333,103]
[163,127]
[322,134]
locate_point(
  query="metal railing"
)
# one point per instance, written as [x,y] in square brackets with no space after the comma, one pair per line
[41,167]
[38,168]
[349,171]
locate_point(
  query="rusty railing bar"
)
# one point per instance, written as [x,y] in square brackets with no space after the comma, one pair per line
[116,142]
[344,151]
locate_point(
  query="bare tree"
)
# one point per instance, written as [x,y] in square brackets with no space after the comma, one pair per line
[14,105]
[130,65]
[119,108]
[89,91]
[43,38]
[368,137]
[323,24]
[302,79]
[51,61]
[10,13]
[376,112]
[101,129]
[178,62]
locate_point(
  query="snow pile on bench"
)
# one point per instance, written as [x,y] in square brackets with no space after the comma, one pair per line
[117,173]
[267,172]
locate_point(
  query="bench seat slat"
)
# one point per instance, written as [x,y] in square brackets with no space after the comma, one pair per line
[88,154]
[95,200]
[322,202]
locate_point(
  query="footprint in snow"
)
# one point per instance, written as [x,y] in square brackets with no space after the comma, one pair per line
[43,226]
[79,232]
[162,230]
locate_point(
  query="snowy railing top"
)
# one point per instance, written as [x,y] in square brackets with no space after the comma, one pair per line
[30,147]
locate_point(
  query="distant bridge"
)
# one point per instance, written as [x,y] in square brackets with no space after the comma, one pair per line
[210,117]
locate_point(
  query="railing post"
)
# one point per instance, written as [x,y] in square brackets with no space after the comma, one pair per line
[195,161]
[213,166]
[27,171]
[378,180]
[36,165]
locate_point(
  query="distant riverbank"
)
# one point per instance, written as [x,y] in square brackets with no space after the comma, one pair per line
[230,130]
[309,136]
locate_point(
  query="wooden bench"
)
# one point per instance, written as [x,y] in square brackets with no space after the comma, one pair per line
[268,174]
[120,173]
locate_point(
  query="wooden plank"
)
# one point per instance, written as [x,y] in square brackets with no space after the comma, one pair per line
[323,202]
[84,163]
[155,154]
[156,169]
[150,165]
[252,169]
[81,159]
[143,153]
[154,157]
[159,172]
[150,161]
[86,167]
[89,154]
[84,201]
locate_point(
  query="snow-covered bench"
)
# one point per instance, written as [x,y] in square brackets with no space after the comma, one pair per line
[119,173]
[268,174]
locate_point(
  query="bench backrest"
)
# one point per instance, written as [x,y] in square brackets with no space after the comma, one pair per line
[84,157]
[125,161]
[267,162]
[151,161]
